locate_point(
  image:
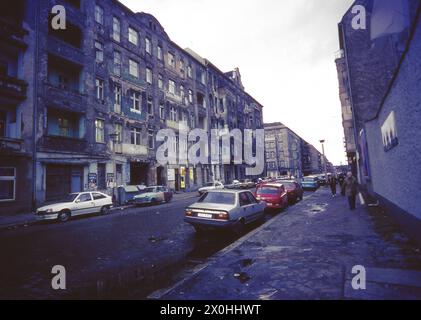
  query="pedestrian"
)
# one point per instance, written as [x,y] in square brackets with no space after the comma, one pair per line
[351,190]
[332,184]
[341,180]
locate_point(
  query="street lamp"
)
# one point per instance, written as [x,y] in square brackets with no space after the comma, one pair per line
[324,157]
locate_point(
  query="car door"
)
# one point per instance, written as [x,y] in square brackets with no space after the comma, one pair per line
[100,200]
[84,204]
[256,209]
[246,208]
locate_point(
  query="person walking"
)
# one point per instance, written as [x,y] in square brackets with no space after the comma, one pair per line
[351,190]
[332,184]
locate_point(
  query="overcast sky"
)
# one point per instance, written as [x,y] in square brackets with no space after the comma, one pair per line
[285,50]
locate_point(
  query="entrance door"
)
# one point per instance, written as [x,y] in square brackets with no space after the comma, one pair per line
[57,182]
[139,173]
[102,183]
[160,176]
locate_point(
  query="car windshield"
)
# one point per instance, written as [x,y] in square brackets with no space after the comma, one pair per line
[148,190]
[268,190]
[220,198]
[70,197]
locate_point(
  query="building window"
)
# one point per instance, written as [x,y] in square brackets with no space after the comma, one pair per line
[171,60]
[117,99]
[99,84]
[189,72]
[148,45]
[99,14]
[116,29]
[182,66]
[135,99]
[171,86]
[99,131]
[117,63]
[162,111]
[119,133]
[182,92]
[133,36]
[173,114]
[99,51]
[135,134]
[159,53]
[7,184]
[151,140]
[160,82]
[63,127]
[134,68]
[190,96]
[150,105]
[149,75]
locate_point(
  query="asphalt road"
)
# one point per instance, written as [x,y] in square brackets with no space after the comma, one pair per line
[129,253]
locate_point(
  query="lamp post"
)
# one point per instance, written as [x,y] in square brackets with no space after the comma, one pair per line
[324,158]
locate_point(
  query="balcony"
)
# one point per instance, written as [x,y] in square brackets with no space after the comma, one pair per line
[13,33]
[65,99]
[173,97]
[13,88]
[134,150]
[176,125]
[63,49]
[63,144]
[9,145]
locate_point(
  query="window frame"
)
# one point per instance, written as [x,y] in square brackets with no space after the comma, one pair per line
[133,34]
[99,131]
[10,178]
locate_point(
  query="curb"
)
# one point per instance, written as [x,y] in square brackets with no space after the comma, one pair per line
[159,294]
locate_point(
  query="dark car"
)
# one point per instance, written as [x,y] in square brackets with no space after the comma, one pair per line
[294,190]
[274,194]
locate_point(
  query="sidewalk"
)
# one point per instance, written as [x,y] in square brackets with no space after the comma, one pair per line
[26,219]
[308,253]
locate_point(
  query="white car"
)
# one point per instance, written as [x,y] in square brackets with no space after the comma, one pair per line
[76,204]
[216,185]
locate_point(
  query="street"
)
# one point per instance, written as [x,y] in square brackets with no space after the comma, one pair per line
[151,243]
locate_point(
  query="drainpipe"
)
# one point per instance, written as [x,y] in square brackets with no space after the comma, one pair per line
[35,110]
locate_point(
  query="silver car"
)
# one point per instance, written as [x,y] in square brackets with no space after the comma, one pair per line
[221,209]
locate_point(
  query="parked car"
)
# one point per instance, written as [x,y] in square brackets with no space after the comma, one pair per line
[322,180]
[236,184]
[310,183]
[247,184]
[216,185]
[294,190]
[221,209]
[274,194]
[76,204]
[153,195]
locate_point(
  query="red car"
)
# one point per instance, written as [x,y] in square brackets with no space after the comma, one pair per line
[294,190]
[274,194]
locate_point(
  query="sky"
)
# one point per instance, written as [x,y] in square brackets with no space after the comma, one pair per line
[285,50]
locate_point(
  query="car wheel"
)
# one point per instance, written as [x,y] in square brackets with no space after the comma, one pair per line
[105,210]
[154,202]
[64,216]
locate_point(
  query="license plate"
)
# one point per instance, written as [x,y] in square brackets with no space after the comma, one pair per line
[204,215]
